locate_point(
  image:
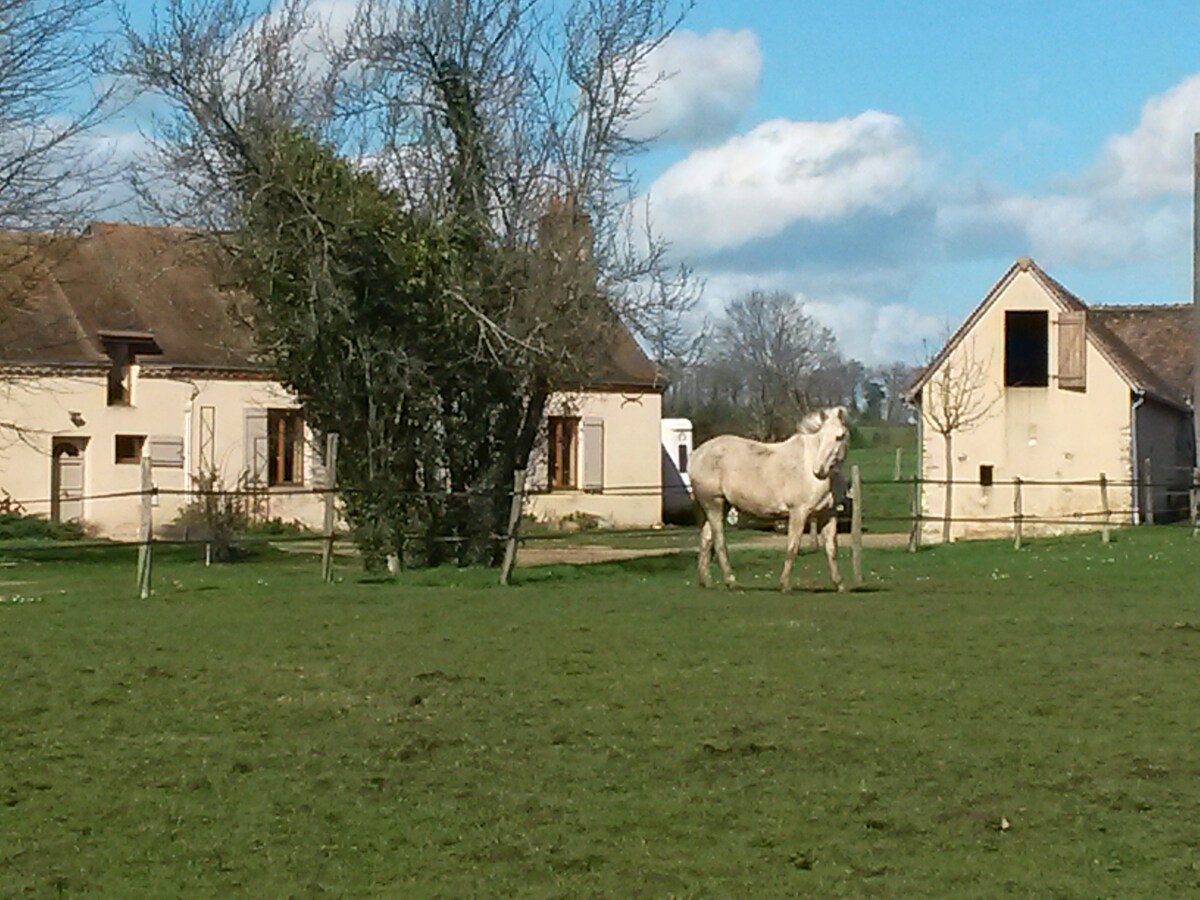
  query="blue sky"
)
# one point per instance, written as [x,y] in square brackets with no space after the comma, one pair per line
[934,143]
[887,161]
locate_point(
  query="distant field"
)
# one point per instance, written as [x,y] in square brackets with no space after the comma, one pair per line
[976,721]
[887,503]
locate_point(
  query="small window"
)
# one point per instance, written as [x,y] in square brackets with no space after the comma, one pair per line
[563,431]
[127,449]
[1026,348]
[986,475]
[285,446]
[683,459]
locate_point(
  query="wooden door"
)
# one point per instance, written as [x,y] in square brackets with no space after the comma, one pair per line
[67,479]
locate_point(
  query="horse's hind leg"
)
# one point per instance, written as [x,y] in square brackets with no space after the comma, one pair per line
[716,520]
[704,559]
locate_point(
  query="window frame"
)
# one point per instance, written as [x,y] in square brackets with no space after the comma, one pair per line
[285,447]
[1026,365]
[128,460]
[562,439]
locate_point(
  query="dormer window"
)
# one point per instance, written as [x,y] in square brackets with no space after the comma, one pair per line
[120,376]
[122,348]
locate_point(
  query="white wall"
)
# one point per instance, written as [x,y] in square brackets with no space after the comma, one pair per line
[632,484]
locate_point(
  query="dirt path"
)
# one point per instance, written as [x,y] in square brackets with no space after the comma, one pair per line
[536,553]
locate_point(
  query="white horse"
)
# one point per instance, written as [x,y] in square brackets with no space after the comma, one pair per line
[792,478]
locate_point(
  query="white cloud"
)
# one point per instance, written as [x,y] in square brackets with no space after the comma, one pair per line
[877,333]
[755,185]
[1155,158]
[1086,228]
[698,85]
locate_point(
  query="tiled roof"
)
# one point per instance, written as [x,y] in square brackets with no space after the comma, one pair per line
[1161,338]
[60,295]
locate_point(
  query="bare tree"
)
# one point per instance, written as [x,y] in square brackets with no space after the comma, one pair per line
[960,396]
[895,380]
[777,352]
[48,173]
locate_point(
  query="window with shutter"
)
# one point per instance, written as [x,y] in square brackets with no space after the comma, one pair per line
[1072,350]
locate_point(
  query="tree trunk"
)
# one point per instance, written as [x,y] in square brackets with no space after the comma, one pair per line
[946,521]
[526,438]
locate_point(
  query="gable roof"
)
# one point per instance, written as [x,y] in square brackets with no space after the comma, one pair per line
[1151,347]
[63,297]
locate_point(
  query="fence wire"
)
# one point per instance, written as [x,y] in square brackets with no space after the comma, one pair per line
[1093,518]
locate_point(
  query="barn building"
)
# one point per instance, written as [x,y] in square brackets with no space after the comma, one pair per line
[1039,386]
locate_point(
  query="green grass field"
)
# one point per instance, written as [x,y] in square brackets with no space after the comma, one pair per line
[607,730]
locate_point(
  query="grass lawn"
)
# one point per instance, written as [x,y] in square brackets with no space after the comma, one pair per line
[608,730]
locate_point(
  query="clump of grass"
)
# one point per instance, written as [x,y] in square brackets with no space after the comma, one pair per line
[20,526]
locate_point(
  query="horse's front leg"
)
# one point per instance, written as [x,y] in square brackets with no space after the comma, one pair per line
[796,520]
[829,535]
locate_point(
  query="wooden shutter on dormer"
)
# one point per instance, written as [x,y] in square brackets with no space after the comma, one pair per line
[1072,350]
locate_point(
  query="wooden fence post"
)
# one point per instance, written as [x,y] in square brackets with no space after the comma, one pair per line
[331,449]
[1147,492]
[1017,512]
[1106,534]
[896,471]
[856,525]
[514,526]
[914,536]
[145,561]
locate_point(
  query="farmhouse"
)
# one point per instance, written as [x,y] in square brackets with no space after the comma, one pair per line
[126,341]
[1038,386]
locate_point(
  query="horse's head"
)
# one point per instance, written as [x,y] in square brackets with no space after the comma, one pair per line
[833,439]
